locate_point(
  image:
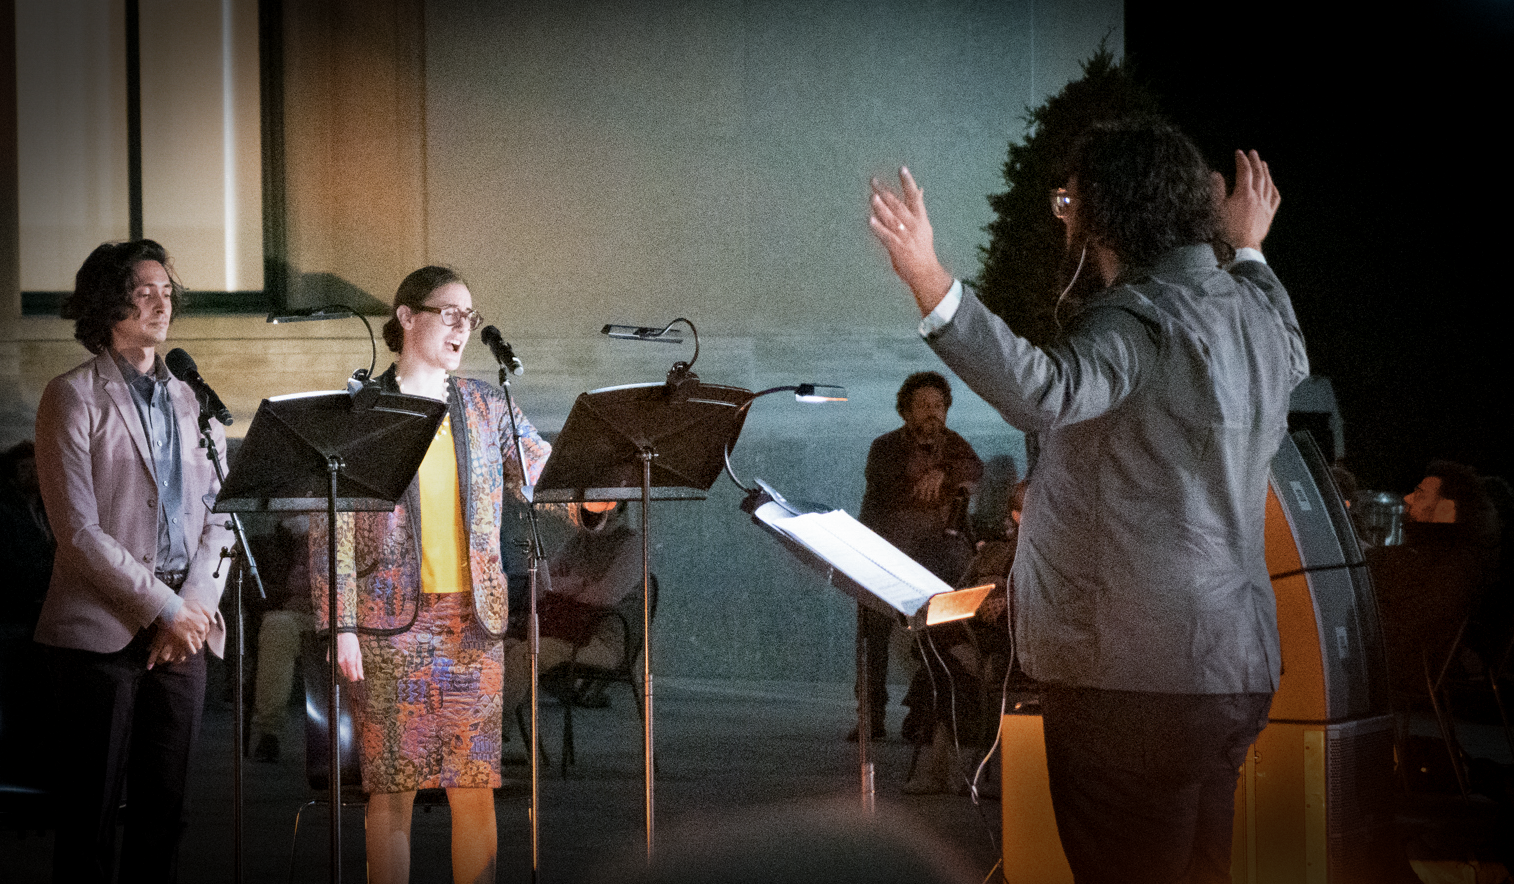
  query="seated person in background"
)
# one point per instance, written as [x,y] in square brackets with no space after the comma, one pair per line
[596,569]
[1427,585]
[284,622]
[919,480]
[26,540]
[26,548]
[933,724]
[1491,632]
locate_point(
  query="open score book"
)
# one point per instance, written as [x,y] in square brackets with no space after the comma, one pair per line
[877,571]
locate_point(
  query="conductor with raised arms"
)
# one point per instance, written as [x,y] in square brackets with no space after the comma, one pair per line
[1142,599]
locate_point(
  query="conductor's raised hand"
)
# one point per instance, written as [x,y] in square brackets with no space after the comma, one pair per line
[901,224]
[1246,214]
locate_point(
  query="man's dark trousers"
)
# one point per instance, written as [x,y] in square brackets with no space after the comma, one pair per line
[1143,784]
[119,723]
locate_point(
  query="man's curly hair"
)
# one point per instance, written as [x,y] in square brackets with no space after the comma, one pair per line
[917,381]
[102,290]
[1461,483]
[1143,189]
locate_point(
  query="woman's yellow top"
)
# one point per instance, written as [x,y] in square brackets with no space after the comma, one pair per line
[444,540]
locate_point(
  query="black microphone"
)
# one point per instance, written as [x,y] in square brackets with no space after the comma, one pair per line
[183,367]
[503,354]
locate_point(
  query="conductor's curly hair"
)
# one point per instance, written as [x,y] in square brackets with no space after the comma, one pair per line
[1143,189]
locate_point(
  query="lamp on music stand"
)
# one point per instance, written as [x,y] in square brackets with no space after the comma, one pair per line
[802,393]
[337,452]
[333,311]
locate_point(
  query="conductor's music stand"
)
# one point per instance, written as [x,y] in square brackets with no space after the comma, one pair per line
[878,575]
[337,452]
[619,443]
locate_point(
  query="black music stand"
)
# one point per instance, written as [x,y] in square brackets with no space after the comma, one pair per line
[336,452]
[621,442]
[855,560]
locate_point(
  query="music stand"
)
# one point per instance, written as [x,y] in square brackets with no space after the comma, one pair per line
[619,443]
[871,570]
[336,452]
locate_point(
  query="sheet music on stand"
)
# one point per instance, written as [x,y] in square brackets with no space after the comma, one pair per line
[876,572]
[598,453]
[283,462]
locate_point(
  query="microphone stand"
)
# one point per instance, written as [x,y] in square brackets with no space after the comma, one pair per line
[533,637]
[207,441]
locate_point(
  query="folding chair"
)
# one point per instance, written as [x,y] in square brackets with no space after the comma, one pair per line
[576,681]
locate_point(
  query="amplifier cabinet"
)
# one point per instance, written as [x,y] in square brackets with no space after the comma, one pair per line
[1314,805]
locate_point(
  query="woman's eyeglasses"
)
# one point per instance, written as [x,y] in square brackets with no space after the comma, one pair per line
[455,317]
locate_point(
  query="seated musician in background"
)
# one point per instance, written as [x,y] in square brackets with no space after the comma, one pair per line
[284,621]
[1427,585]
[919,479]
[944,712]
[26,540]
[596,570]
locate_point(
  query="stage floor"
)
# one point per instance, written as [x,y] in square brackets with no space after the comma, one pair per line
[727,754]
[732,756]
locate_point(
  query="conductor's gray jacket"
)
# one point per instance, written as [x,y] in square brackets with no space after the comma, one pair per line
[1141,557]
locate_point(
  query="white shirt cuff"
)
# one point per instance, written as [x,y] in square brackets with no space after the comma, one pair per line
[944,312]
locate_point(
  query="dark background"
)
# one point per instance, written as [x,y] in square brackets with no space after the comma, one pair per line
[1386,137]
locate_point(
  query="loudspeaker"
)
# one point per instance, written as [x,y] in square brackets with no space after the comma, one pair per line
[1315,797]
[1334,668]
[1032,851]
[1314,804]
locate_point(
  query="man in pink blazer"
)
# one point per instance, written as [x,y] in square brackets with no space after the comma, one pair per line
[133,599]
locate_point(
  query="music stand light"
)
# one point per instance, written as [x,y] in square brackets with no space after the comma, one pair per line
[807,392]
[333,311]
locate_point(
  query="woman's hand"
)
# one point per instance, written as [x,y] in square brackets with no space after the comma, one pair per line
[349,656]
